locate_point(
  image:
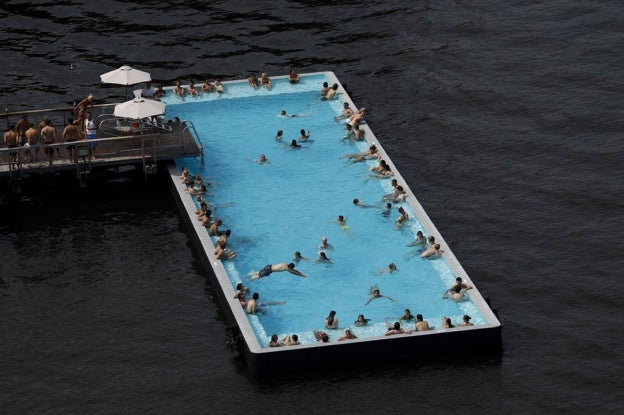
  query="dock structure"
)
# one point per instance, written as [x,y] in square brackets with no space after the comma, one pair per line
[120,142]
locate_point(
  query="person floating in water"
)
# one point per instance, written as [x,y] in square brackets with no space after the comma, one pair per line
[391,268]
[374,293]
[282,266]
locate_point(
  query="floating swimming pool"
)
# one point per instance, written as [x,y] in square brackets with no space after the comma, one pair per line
[290,202]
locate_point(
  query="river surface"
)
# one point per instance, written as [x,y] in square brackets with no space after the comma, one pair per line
[503,116]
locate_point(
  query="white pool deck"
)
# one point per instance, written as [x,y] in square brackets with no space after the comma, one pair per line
[260,360]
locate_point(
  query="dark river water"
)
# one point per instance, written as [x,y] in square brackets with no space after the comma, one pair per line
[503,116]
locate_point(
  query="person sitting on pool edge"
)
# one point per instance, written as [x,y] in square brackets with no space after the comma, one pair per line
[282,266]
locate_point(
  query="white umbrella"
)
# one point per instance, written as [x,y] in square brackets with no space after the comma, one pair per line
[139,108]
[125,75]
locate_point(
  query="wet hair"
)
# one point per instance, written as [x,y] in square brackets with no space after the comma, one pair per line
[419,317]
[294,337]
[240,286]
[397,325]
[297,253]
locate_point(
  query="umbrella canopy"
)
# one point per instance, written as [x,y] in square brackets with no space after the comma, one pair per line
[125,76]
[139,108]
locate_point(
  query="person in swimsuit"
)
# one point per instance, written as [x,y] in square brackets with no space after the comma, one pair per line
[11,141]
[207,86]
[347,336]
[241,293]
[91,132]
[70,135]
[48,135]
[331,322]
[421,325]
[265,81]
[376,294]
[419,241]
[293,77]
[432,251]
[282,266]
[466,321]
[391,268]
[396,329]
[253,81]
[178,90]
[361,320]
[192,90]
[407,315]
[33,141]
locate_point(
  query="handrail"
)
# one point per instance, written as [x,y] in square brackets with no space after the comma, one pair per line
[190,127]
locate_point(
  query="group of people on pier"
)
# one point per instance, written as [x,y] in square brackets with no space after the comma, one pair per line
[25,139]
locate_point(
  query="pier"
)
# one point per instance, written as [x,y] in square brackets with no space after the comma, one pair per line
[120,142]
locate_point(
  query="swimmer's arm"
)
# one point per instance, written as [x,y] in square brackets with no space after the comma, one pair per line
[390,298]
[297,272]
[369,300]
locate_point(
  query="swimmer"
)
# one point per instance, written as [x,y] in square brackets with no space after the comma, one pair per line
[274,342]
[341,221]
[407,315]
[283,114]
[294,144]
[391,268]
[263,160]
[219,86]
[447,323]
[298,257]
[432,251]
[279,135]
[322,257]
[346,111]
[291,340]
[321,336]
[253,306]
[325,245]
[396,329]
[431,240]
[457,292]
[331,322]
[361,321]
[376,294]
[358,203]
[466,321]
[280,267]
[419,241]
[347,336]
[403,217]
[385,211]
[265,81]
[421,325]
[303,135]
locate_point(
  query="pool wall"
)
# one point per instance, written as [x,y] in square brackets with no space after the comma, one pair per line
[482,338]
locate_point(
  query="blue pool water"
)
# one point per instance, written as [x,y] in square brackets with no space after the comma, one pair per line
[289,204]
